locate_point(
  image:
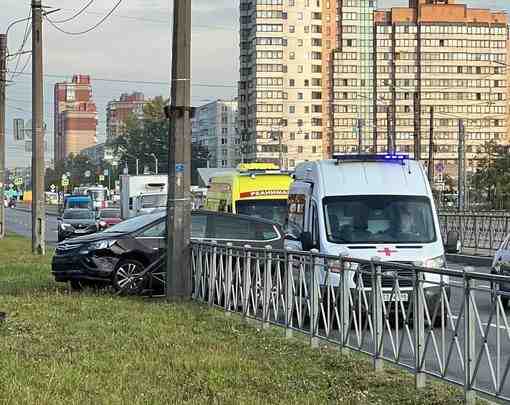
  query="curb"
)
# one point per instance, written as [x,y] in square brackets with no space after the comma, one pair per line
[23,209]
[479,261]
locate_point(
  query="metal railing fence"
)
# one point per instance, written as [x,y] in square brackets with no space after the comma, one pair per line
[478,232]
[449,324]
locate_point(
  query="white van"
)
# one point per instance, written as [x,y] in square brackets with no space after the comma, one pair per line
[366,206]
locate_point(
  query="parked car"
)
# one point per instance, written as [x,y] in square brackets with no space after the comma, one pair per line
[123,251]
[76,222]
[501,266]
[108,217]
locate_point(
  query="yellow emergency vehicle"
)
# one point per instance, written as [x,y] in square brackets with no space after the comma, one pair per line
[256,189]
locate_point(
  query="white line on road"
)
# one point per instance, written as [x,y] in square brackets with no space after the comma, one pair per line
[484,324]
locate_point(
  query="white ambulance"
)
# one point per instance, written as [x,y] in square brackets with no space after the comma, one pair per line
[366,206]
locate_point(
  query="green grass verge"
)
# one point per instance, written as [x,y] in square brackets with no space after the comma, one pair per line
[59,347]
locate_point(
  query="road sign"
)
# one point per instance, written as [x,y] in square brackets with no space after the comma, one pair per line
[440,167]
[53,188]
[106,172]
[65,182]
[87,174]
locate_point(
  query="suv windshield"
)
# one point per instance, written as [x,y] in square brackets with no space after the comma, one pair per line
[273,210]
[134,224]
[85,214]
[379,219]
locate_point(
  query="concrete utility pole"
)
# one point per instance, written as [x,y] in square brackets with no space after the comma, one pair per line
[38,203]
[178,270]
[389,131]
[3,68]
[431,146]
[417,127]
[359,128]
[462,167]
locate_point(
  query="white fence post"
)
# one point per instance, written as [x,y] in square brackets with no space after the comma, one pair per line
[419,330]
[289,293]
[246,279]
[377,312]
[213,273]
[469,339]
[345,304]
[228,279]
[267,280]
[314,297]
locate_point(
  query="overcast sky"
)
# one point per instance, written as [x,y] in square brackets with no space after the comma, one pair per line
[133,45]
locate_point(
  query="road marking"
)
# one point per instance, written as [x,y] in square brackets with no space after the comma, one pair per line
[503,327]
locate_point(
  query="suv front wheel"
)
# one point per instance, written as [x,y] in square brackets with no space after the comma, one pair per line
[127,277]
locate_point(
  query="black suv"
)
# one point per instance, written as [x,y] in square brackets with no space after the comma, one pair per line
[116,254]
[76,222]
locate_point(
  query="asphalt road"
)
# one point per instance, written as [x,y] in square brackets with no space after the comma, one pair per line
[443,345]
[20,222]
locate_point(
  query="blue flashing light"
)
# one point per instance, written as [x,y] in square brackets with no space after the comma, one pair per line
[391,158]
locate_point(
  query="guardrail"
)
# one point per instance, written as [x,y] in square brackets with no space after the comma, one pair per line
[478,232]
[449,324]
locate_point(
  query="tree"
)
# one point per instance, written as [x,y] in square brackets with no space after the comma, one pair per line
[199,159]
[491,181]
[142,138]
[77,166]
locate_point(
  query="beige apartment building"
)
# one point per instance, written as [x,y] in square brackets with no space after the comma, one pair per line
[75,117]
[442,60]
[281,90]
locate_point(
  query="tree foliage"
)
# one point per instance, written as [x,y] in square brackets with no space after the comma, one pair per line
[140,139]
[77,166]
[490,184]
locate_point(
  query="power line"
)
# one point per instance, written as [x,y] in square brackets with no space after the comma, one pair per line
[156,21]
[28,30]
[75,15]
[89,29]
[157,83]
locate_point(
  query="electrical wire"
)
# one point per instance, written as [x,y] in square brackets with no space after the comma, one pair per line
[27,62]
[157,83]
[89,29]
[80,12]
[28,30]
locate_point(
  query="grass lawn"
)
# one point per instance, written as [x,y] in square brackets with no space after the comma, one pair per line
[59,347]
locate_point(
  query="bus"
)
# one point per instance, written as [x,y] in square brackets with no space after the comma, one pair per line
[255,189]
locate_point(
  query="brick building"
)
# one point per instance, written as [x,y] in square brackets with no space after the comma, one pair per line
[75,117]
[117,111]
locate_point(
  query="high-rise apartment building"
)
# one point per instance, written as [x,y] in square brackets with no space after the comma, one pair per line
[433,56]
[351,105]
[282,87]
[117,111]
[75,117]
[215,126]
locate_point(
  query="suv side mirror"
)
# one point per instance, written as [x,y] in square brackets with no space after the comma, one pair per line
[307,241]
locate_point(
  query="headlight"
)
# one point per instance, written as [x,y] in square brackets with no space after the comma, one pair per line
[65,226]
[435,263]
[102,224]
[100,245]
